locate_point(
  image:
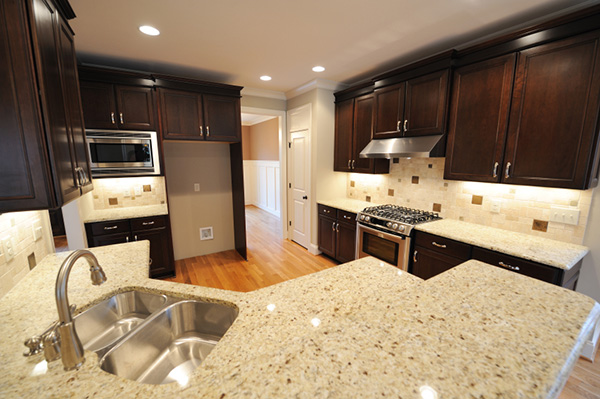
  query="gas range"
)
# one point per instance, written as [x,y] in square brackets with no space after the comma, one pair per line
[394,219]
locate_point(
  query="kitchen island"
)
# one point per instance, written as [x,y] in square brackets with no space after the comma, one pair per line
[361,329]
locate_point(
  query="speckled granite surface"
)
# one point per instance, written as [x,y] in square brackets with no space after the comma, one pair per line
[361,329]
[126,213]
[549,252]
[347,204]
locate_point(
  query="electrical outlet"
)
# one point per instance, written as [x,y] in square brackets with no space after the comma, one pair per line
[138,191]
[564,215]
[206,233]
[196,187]
[8,248]
[126,192]
[495,205]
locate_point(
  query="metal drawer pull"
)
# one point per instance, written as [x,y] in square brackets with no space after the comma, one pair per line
[121,117]
[110,227]
[495,172]
[349,163]
[207,131]
[398,125]
[112,118]
[127,239]
[201,131]
[507,266]
[337,228]
[438,245]
[507,171]
[150,262]
[353,163]
[135,237]
[147,223]
[405,125]
[333,226]
[415,256]
[347,217]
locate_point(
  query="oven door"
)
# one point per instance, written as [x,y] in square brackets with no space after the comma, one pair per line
[391,248]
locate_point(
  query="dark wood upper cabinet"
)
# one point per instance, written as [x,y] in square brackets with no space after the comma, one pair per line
[478,119]
[553,127]
[191,115]
[109,106]
[416,107]
[46,151]
[353,131]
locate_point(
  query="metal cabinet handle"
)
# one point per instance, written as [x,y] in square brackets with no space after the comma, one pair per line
[121,117]
[415,256]
[337,228]
[112,118]
[149,261]
[201,131]
[207,131]
[79,176]
[507,171]
[405,125]
[147,223]
[346,217]
[353,161]
[349,163]
[135,238]
[435,244]
[398,125]
[333,226]
[495,171]
[127,239]
[510,267]
[110,227]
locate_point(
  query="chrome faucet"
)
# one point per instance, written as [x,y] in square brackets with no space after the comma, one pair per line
[62,340]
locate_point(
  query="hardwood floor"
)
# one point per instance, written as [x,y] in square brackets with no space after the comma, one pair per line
[61,244]
[272,260]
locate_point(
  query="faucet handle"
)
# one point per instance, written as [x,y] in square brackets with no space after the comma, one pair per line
[51,345]
[34,344]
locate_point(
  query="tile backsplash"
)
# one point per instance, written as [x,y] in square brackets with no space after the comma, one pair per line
[128,192]
[419,183]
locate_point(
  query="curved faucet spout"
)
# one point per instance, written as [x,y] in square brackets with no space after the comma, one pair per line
[71,349]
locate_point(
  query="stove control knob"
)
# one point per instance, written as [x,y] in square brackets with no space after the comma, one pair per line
[395,226]
[367,218]
[389,224]
[362,217]
[401,228]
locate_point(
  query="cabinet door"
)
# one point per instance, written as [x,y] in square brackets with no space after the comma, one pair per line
[222,117]
[554,111]
[109,239]
[345,242]
[160,262]
[24,178]
[426,104]
[388,111]
[99,106]
[426,263]
[327,235]
[344,119]
[479,119]
[64,165]
[181,113]
[363,132]
[135,106]
[73,106]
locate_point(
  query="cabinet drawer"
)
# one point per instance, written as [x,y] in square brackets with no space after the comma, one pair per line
[443,245]
[152,222]
[521,266]
[346,217]
[327,211]
[111,227]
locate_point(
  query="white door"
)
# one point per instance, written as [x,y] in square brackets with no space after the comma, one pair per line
[299,182]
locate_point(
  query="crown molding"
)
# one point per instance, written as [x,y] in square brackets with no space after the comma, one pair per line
[315,84]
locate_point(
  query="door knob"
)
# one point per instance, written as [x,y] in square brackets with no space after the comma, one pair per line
[304,197]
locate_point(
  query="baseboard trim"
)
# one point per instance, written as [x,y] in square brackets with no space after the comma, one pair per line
[591,346]
[314,249]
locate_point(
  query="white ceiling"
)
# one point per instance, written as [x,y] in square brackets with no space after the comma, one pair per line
[237,41]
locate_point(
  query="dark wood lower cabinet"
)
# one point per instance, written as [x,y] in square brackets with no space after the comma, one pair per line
[155,229]
[427,264]
[337,233]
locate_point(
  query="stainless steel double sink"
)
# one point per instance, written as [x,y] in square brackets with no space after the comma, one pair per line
[153,338]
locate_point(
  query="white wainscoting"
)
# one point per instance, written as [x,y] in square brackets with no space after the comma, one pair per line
[261,185]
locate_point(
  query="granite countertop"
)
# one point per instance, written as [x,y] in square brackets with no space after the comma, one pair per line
[347,204]
[360,329]
[126,213]
[549,252]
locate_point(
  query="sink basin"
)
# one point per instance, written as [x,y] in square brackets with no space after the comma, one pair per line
[171,344]
[106,322]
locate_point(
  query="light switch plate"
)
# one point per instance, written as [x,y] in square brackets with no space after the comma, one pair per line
[126,192]
[495,205]
[564,215]
[196,187]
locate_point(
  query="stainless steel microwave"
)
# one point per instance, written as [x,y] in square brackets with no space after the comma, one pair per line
[123,153]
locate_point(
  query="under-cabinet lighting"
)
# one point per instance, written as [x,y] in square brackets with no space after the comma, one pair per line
[149,30]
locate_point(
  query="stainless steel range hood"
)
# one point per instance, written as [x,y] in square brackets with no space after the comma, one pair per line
[403,147]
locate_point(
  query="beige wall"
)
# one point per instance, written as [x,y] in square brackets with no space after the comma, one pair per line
[519,205]
[18,226]
[207,164]
[246,142]
[263,141]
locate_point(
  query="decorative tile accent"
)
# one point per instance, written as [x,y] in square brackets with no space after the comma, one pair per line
[395,160]
[415,180]
[437,207]
[430,166]
[390,192]
[477,200]
[122,190]
[147,188]
[368,198]
[113,201]
[540,225]
[352,183]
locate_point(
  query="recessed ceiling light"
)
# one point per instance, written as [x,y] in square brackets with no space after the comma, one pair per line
[318,69]
[266,78]
[149,30]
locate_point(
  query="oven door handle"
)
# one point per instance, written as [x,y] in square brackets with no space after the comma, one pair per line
[381,234]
